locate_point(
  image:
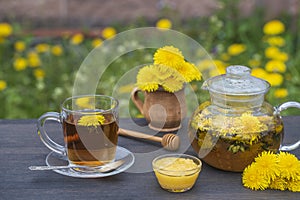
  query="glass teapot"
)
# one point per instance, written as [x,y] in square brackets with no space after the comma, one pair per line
[237,125]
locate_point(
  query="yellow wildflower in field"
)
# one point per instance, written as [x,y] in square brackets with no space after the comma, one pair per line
[164,23]
[273,27]
[275,66]
[96,42]
[108,32]
[281,93]
[259,73]
[33,59]
[3,85]
[39,73]
[236,49]
[272,52]
[275,79]
[57,50]
[20,64]
[77,39]
[42,48]
[5,30]
[20,46]
[282,56]
[220,68]
[276,41]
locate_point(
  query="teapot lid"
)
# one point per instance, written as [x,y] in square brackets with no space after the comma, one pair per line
[236,81]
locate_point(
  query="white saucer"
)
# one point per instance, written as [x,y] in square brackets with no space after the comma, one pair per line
[54,159]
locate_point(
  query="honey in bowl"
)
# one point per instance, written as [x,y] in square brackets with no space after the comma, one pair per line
[176,172]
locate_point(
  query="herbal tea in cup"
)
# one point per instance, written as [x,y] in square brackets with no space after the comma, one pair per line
[90,129]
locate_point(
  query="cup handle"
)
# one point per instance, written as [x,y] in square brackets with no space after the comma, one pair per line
[284,106]
[49,116]
[137,100]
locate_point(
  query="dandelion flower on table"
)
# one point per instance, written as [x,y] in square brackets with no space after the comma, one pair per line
[273,27]
[108,32]
[267,164]
[289,166]
[294,185]
[164,23]
[253,179]
[278,184]
[169,56]
[147,79]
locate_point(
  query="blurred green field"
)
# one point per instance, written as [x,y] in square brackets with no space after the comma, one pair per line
[37,73]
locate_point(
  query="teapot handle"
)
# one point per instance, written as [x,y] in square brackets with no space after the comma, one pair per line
[284,106]
[137,100]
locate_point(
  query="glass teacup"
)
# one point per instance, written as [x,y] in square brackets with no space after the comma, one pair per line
[90,129]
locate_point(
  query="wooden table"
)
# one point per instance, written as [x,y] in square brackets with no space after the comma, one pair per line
[21,147]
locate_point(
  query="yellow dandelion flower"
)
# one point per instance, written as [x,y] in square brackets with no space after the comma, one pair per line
[278,184]
[267,163]
[169,56]
[275,66]
[42,48]
[219,68]
[272,52]
[259,73]
[5,30]
[108,32]
[294,185]
[189,72]
[147,79]
[253,179]
[20,64]
[282,56]
[3,85]
[254,63]
[39,73]
[206,65]
[274,79]
[20,46]
[57,50]
[273,27]
[289,166]
[33,59]
[164,23]
[77,39]
[281,93]
[276,41]
[96,42]
[236,49]
[91,120]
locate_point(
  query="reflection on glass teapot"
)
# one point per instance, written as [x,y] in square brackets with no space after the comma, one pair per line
[237,124]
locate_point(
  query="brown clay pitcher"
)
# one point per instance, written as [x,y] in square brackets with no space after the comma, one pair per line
[163,110]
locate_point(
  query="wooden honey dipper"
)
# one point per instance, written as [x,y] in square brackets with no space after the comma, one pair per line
[168,141]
